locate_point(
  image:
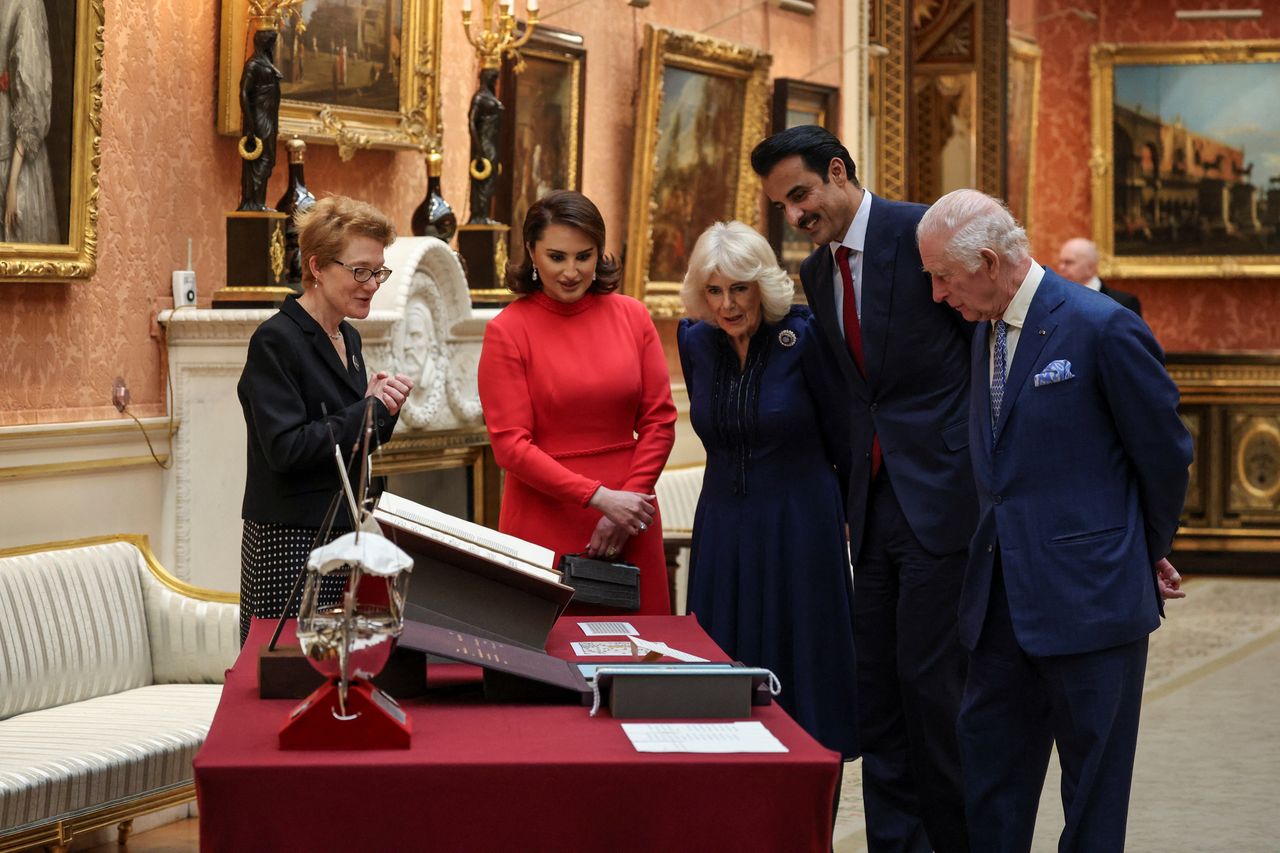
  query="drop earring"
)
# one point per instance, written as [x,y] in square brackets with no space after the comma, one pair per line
[535,273]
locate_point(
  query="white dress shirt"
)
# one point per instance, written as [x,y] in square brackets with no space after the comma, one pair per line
[1094,283]
[1014,316]
[856,239]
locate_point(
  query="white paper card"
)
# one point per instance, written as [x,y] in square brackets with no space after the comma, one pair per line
[702,737]
[607,629]
[641,648]
[602,649]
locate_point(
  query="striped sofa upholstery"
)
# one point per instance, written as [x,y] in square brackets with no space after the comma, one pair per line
[110,672]
[678,490]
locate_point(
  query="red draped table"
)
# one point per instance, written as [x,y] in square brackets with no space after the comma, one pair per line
[482,776]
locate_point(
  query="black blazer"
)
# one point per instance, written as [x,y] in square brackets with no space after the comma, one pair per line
[1124,297]
[916,394]
[291,378]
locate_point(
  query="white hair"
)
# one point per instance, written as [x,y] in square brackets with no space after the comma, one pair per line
[736,251]
[974,221]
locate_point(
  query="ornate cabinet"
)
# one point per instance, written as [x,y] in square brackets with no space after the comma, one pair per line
[1231,404]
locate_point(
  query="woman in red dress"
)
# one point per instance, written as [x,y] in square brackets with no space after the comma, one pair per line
[577,400]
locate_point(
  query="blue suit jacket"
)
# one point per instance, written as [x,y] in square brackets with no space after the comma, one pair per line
[915,396]
[1083,483]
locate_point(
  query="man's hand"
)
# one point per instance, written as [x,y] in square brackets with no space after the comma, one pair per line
[1169,580]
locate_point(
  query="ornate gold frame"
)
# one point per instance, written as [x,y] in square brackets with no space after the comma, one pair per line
[1103,60]
[693,52]
[1024,53]
[77,258]
[417,124]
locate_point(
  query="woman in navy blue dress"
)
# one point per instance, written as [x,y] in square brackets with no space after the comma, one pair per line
[769,577]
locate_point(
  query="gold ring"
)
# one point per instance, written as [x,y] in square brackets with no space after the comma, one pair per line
[485,169]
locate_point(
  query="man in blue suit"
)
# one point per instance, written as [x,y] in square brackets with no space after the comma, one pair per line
[910,501]
[1081,464]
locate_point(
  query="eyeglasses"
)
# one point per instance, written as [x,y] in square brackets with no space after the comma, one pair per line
[363,274]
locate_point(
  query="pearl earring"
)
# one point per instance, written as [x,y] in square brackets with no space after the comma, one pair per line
[535,273]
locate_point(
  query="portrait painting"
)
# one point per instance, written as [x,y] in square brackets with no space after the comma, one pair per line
[703,108]
[1190,135]
[796,103]
[543,131]
[358,75]
[50,88]
[699,121]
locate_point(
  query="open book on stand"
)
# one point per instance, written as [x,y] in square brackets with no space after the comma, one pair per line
[457,536]
[476,578]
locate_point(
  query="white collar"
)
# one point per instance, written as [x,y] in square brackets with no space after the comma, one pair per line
[856,237]
[1016,313]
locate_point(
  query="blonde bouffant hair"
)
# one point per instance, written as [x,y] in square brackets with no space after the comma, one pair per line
[325,227]
[736,251]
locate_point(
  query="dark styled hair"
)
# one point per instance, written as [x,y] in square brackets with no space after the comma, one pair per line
[817,146]
[564,207]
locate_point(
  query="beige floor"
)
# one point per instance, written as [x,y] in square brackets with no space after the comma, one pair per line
[1207,776]
[1208,765]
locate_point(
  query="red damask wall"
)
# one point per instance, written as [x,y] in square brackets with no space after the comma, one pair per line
[166,175]
[1186,313]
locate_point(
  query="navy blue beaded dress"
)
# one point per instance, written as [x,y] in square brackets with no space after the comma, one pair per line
[769,576]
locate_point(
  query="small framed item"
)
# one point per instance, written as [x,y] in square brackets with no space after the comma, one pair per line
[600,583]
[682,691]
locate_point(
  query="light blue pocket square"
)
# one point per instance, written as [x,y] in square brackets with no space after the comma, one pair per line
[1054,371]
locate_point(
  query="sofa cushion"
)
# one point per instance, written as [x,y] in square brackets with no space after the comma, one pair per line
[192,641]
[62,760]
[72,626]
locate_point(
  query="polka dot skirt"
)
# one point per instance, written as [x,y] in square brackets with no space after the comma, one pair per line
[271,558]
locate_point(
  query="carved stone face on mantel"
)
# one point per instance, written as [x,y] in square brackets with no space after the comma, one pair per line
[429,292]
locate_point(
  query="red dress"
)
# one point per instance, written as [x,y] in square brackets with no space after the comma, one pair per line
[575,396]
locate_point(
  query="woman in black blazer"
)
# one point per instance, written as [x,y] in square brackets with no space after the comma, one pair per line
[304,386]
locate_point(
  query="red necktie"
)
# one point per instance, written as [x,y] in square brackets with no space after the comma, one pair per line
[853,336]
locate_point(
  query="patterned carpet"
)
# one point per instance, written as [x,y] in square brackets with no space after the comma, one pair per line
[1208,766]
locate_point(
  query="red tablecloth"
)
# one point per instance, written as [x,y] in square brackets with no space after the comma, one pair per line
[483,777]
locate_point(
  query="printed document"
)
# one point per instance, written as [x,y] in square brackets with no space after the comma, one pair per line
[702,737]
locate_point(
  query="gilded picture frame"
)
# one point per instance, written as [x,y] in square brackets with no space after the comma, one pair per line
[1023,107]
[337,68]
[703,107]
[52,234]
[1177,132]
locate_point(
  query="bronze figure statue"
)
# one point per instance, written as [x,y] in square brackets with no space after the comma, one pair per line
[485,120]
[260,109]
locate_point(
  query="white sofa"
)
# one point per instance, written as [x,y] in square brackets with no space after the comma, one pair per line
[110,672]
[678,490]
